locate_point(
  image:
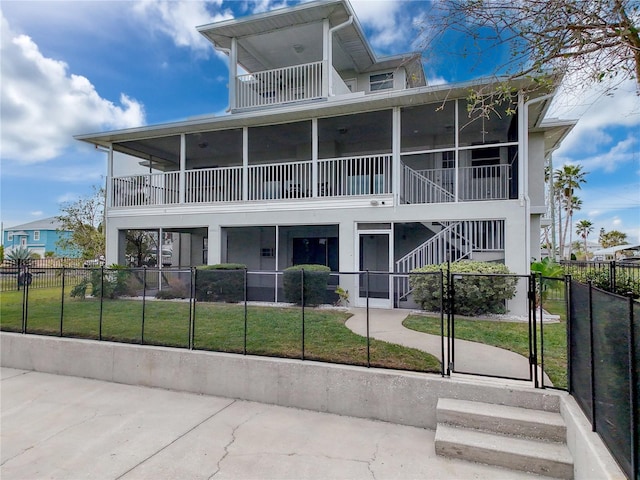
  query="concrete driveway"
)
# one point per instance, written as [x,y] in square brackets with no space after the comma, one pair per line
[59,427]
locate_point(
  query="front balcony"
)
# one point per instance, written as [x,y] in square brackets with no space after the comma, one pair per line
[307,180]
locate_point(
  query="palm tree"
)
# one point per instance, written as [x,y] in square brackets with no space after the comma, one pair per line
[584,228]
[567,180]
[572,204]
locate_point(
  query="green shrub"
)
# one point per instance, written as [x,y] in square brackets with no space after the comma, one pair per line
[316,278]
[220,283]
[117,282]
[474,294]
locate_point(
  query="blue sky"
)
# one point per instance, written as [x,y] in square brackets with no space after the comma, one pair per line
[87,66]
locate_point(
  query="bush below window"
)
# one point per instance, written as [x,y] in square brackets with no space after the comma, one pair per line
[316,278]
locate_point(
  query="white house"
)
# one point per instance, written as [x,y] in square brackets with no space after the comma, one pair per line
[332,155]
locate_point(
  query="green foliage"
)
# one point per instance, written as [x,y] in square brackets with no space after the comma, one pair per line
[547,269]
[474,294]
[49,254]
[612,238]
[600,278]
[343,296]
[112,282]
[220,283]
[20,256]
[1,254]
[83,218]
[316,278]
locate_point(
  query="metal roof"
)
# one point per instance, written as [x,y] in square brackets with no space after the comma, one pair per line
[50,223]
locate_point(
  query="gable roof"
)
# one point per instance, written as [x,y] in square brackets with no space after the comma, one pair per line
[50,223]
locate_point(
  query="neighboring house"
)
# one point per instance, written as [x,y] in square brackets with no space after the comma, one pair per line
[39,236]
[333,155]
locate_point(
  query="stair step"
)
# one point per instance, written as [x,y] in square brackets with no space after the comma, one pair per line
[502,419]
[550,459]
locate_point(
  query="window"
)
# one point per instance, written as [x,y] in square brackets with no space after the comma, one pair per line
[486,162]
[9,236]
[448,159]
[381,81]
[36,235]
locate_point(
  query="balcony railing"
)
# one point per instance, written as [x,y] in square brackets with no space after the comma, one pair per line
[214,185]
[438,185]
[280,180]
[335,177]
[280,85]
[148,189]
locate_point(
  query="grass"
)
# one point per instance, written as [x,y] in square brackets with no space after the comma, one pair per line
[512,336]
[270,331]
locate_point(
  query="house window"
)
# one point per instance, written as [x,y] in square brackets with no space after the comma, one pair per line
[486,161]
[448,159]
[267,252]
[36,235]
[380,81]
[9,236]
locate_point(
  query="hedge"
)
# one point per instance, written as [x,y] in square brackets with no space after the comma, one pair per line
[223,282]
[316,278]
[474,294]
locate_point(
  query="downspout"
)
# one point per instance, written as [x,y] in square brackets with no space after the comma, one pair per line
[330,50]
[525,200]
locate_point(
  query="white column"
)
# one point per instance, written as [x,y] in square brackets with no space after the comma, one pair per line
[457,151]
[109,185]
[395,152]
[245,163]
[314,157]
[326,57]
[233,73]
[183,166]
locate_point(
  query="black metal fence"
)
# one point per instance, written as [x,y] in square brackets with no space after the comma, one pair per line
[622,278]
[39,272]
[604,346]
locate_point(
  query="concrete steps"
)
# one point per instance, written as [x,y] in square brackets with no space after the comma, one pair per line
[506,436]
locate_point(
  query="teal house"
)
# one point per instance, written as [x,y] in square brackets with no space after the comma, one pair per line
[39,236]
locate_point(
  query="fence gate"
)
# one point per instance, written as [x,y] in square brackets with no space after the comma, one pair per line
[469,299]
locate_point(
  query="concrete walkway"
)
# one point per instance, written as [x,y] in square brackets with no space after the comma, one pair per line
[469,357]
[59,427]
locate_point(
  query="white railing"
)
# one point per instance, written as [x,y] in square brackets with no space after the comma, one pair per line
[455,242]
[438,185]
[483,183]
[149,189]
[213,185]
[274,181]
[281,85]
[364,175]
[427,186]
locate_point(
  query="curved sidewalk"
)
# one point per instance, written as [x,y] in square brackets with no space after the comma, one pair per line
[469,357]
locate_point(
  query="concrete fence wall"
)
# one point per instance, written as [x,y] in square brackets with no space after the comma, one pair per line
[387,395]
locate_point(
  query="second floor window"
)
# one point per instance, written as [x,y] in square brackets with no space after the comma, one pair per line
[381,81]
[9,236]
[36,235]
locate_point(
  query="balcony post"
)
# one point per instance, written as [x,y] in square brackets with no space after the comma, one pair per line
[245,163]
[314,157]
[233,73]
[326,57]
[182,180]
[109,185]
[395,152]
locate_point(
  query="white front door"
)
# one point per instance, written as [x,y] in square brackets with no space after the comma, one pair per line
[374,247]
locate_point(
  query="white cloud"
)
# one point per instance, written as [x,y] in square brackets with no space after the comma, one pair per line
[179,19]
[37,213]
[44,105]
[596,109]
[385,18]
[623,152]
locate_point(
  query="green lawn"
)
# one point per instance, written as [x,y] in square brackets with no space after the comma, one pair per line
[510,336]
[270,331]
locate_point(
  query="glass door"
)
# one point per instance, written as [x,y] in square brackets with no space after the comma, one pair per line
[373,251]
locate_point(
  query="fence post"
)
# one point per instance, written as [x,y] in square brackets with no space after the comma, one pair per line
[244,347]
[144,301]
[591,360]
[568,325]
[62,301]
[533,329]
[633,391]
[368,338]
[101,301]
[612,276]
[302,303]
[193,278]
[442,355]
[25,301]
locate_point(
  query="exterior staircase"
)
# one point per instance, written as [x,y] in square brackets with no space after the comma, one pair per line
[505,436]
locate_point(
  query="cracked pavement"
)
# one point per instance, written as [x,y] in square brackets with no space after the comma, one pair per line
[61,427]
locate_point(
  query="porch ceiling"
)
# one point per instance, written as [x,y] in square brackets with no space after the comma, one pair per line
[293,35]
